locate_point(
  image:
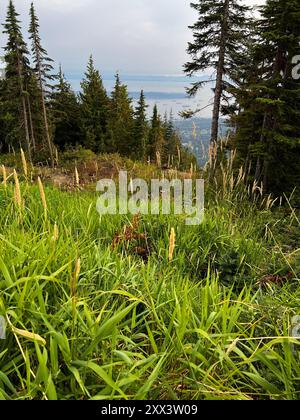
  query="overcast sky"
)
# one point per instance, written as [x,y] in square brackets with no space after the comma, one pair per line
[133,36]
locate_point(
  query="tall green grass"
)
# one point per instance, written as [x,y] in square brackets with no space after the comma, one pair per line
[86,321]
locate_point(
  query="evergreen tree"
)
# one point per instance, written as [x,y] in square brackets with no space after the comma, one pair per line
[42,70]
[17,68]
[141,128]
[32,90]
[156,136]
[270,116]
[65,110]
[4,124]
[218,33]
[121,122]
[94,109]
[172,140]
[168,125]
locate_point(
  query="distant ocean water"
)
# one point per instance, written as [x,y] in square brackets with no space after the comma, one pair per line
[168,92]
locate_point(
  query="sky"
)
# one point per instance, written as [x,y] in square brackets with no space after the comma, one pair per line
[132,36]
[145,40]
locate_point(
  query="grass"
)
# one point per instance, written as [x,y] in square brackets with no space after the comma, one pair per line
[86,320]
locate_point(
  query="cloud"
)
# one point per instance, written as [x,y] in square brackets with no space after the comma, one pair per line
[134,36]
[141,36]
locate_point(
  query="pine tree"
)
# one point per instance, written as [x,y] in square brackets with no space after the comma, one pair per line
[141,128]
[218,33]
[42,70]
[94,109]
[121,122]
[17,67]
[65,110]
[270,116]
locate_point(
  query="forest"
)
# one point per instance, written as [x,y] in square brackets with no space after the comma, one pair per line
[136,307]
[41,113]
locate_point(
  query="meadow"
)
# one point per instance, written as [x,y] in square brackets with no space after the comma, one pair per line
[122,307]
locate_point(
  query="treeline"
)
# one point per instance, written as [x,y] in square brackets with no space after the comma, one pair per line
[41,113]
[256,84]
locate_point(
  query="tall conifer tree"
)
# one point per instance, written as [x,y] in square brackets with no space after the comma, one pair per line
[65,111]
[94,109]
[42,69]
[269,123]
[218,33]
[141,128]
[121,122]
[172,139]
[17,67]
[156,136]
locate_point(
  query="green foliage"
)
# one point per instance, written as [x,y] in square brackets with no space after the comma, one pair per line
[116,327]
[13,88]
[38,114]
[141,129]
[267,124]
[42,63]
[218,37]
[65,111]
[94,105]
[207,36]
[39,94]
[120,120]
[90,320]
[156,136]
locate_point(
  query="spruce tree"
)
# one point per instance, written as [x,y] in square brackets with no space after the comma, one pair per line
[218,33]
[65,111]
[42,69]
[269,124]
[172,140]
[94,109]
[141,128]
[121,122]
[4,114]
[156,137]
[17,67]
[32,89]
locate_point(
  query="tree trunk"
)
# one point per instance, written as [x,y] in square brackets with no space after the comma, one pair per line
[47,131]
[43,102]
[257,175]
[258,172]
[266,176]
[220,73]
[31,124]
[24,111]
